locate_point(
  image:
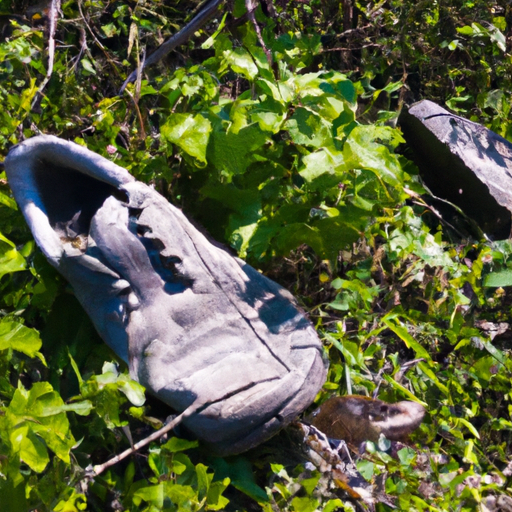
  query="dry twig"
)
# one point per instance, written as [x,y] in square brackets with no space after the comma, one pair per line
[97,470]
[176,40]
[250,5]
[53,15]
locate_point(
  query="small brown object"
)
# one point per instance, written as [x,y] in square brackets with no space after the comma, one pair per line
[355,419]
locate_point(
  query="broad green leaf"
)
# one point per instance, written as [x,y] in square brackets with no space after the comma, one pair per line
[189,132]
[33,452]
[110,30]
[241,62]
[320,162]
[498,279]
[406,456]
[8,201]
[310,484]
[233,152]
[333,505]
[38,413]
[215,500]
[203,481]
[19,337]
[305,504]
[182,495]
[175,445]
[133,390]
[466,30]
[366,468]
[362,151]
[309,129]
[88,66]
[279,91]
[10,259]
[240,472]
[73,503]
[82,408]
[268,121]
[153,494]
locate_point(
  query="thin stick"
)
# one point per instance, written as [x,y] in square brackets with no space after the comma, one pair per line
[53,15]
[177,39]
[97,470]
[250,5]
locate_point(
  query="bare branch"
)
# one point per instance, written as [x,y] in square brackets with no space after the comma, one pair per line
[97,470]
[53,15]
[176,40]
[250,5]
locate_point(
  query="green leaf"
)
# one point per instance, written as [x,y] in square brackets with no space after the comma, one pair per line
[16,336]
[350,350]
[409,341]
[232,151]
[34,414]
[306,504]
[309,129]
[175,445]
[363,151]
[88,66]
[134,391]
[322,162]
[239,471]
[498,279]
[333,505]
[153,494]
[82,408]
[33,451]
[406,456]
[241,62]
[466,30]
[403,390]
[433,377]
[366,468]
[189,132]
[215,500]
[10,259]
[8,201]
[110,30]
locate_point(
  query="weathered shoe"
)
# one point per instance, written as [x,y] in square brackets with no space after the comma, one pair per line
[195,325]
